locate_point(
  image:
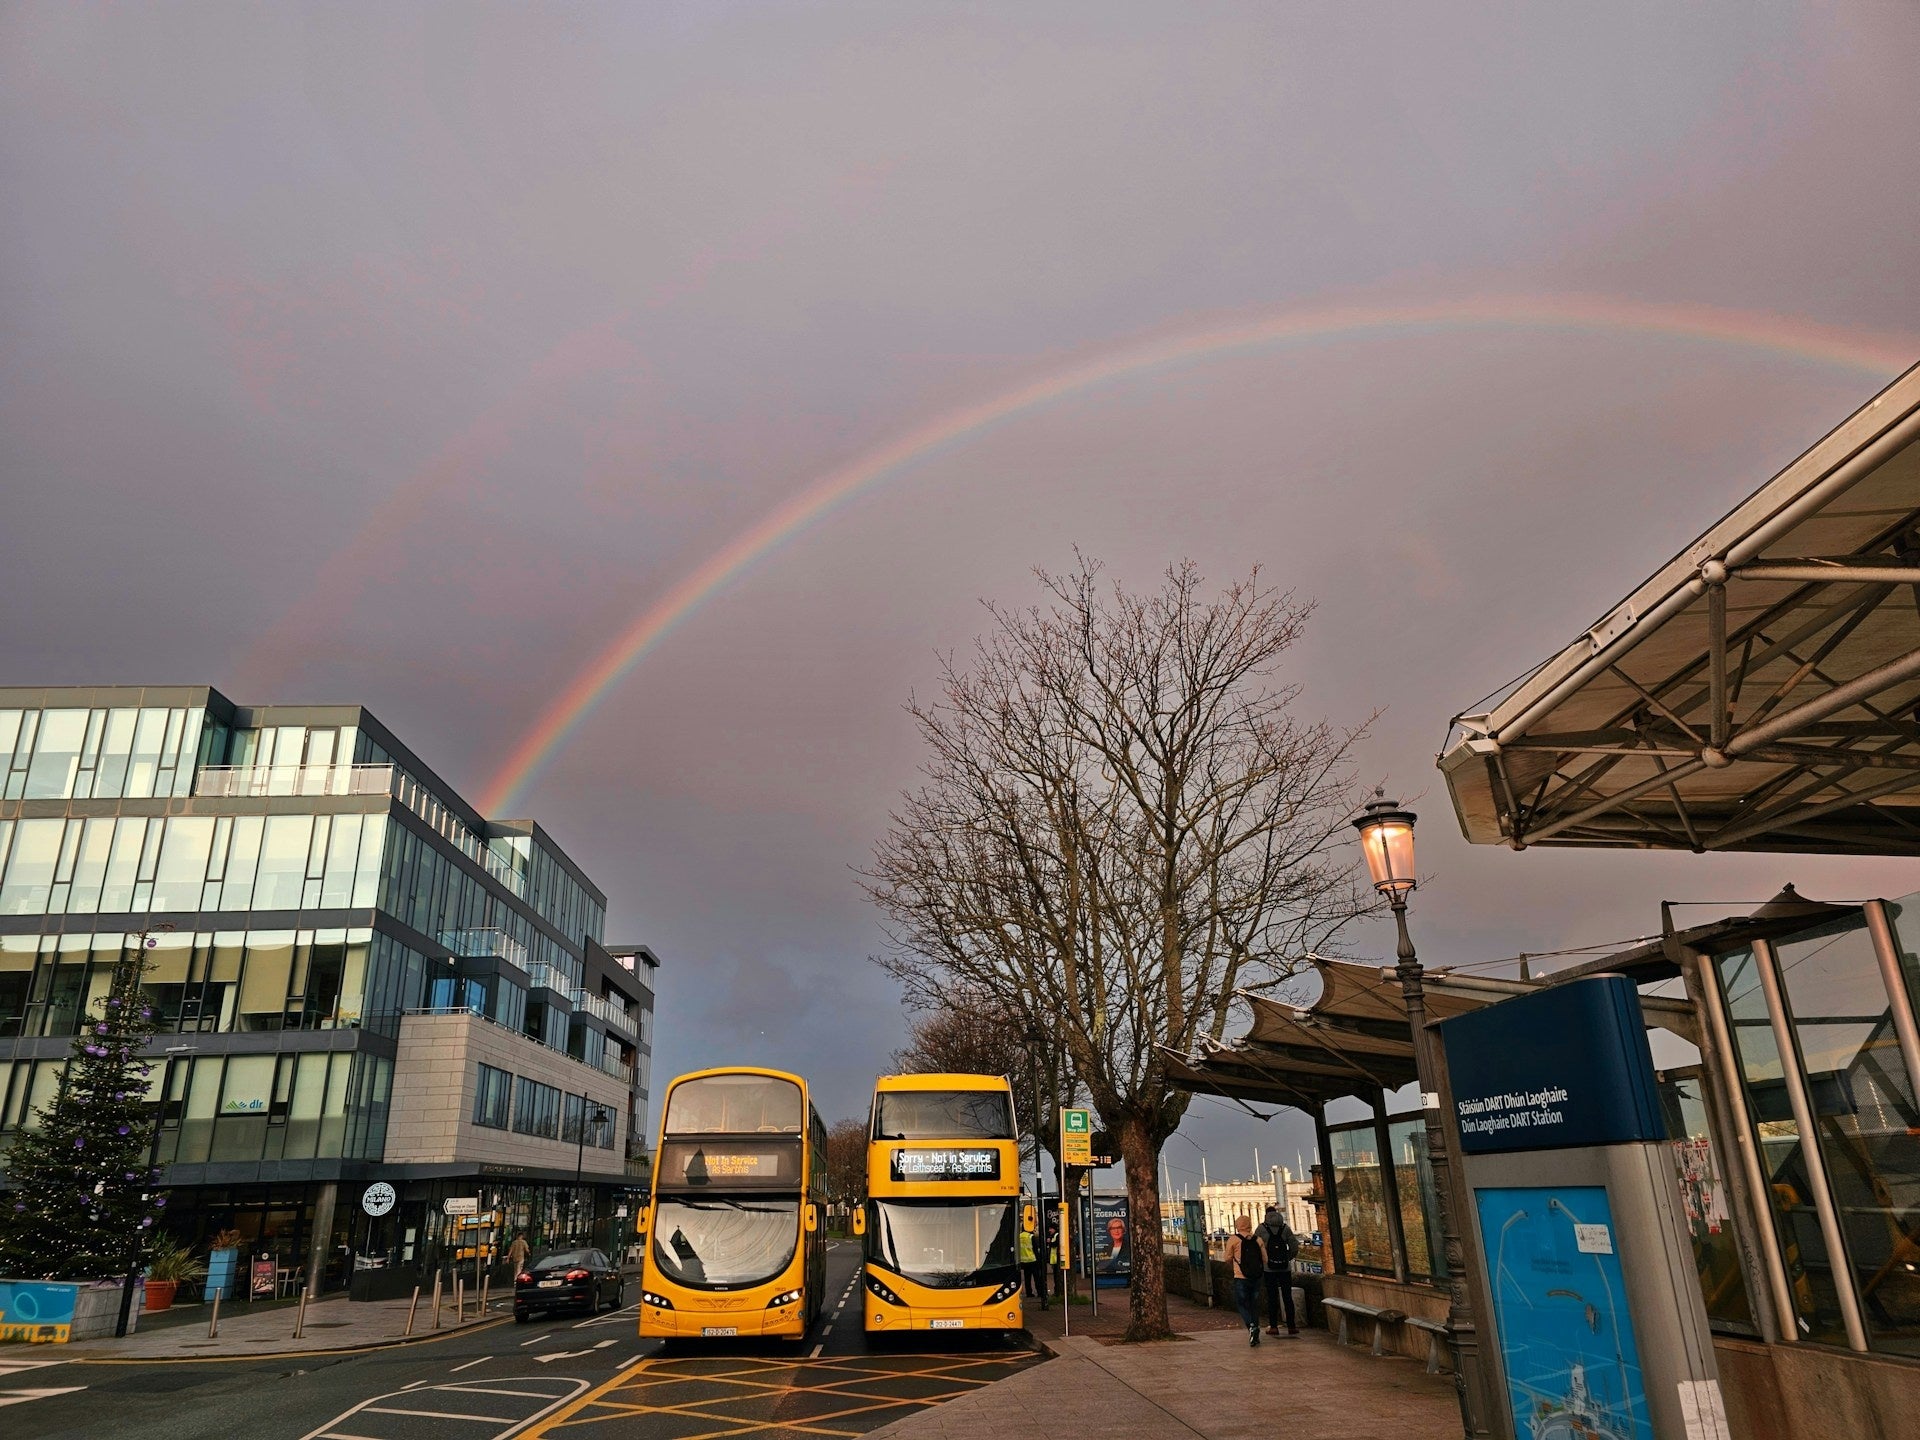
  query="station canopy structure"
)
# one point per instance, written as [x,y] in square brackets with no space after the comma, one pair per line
[1353,1040]
[1760,692]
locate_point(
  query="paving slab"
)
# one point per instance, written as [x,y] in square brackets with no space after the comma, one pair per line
[1212,1386]
[335,1323]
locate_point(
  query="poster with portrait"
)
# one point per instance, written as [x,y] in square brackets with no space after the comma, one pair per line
[1560,1311]
[1112,1239]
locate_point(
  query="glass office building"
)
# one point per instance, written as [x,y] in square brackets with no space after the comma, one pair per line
[361,978]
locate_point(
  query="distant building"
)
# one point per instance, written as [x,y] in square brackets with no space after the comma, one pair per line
[364,981]
[1227,1200]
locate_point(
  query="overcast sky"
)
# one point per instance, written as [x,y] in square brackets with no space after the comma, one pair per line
[401,354]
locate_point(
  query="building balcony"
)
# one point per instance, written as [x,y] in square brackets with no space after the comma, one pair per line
[248,782]
[488,943]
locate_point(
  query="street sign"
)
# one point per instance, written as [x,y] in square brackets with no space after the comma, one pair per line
[378,1198]
[1076,1137]
[461,1205]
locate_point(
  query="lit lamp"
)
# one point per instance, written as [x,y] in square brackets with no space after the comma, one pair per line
[1386,839]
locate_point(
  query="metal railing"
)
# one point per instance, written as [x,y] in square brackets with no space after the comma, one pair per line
[482,942]
[605,1010]
[614,1070]
[253,781]
[542,976]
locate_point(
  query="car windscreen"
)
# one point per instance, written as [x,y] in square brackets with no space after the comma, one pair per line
[945,1245]
[707,1243]
[564,1260]
[942,1115]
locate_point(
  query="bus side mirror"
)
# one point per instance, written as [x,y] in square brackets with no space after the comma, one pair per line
[860,1221]
[813,1218]
[643,1222]
[1027,1219]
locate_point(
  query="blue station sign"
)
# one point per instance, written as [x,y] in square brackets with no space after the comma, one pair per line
[1563,1068]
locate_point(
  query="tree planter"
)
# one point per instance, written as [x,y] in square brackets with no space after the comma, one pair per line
[52,1312]
[160,1295]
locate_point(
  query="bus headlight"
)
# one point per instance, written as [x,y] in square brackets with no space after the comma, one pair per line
[659,1302]
[785,1297]
[1012,1287]
[883,1292]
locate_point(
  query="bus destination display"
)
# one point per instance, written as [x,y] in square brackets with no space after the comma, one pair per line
[946,1164]
[724,1163]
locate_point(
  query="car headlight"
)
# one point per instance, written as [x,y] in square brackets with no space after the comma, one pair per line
[882,1291]
[785,1297]
[1012,1287]
[659,1302]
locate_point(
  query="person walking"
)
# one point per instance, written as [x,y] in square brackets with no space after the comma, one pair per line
[1279,1242]
[1249,1265]
[517,1253]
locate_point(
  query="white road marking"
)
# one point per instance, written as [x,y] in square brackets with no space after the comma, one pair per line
[612,1317]
[20,1397]
[602,1344]
[559,1355]
[471,1363]
[536,1340]
[630,1360]
[549,1392]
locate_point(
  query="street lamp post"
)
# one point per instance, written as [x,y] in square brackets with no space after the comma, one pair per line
[597,1116]
[1386,838]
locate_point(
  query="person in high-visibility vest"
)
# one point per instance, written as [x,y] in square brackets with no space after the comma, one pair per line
[1035,1286]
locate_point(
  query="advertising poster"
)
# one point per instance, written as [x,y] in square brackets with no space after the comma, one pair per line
[37,1311]
[1112,1240]
[1560,1312]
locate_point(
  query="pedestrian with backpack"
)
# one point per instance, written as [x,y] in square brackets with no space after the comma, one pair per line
[1280,1244]
[1249,1266]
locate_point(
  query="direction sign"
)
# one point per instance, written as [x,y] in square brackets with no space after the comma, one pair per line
[1076,1137]
[461,1205]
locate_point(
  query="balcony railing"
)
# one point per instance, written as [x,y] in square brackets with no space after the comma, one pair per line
[541,976]
[605,1010]
[247,782]
[476,944]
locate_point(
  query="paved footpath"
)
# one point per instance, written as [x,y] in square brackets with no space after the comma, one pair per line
[1212,1386]
[335,1323]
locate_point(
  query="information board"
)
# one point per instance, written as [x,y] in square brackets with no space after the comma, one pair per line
[755,1164]
[1076,1137]
[1560,1310]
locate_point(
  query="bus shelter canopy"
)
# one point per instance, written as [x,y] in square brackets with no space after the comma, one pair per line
[1354,1039]
[1760,692]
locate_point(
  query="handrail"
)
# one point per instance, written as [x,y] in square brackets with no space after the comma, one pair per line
[252,781]
[477,942]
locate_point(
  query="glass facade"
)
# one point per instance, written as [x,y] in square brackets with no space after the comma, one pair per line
[136,864]
[94,754]
[1845,1078]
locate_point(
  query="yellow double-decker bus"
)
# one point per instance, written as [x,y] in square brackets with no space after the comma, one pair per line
[940,1231]
[733,1244]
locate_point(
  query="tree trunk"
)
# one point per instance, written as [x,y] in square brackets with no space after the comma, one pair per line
[1147,1293]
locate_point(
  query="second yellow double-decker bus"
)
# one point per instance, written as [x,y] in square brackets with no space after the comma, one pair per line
[941,1226]
[733,1245]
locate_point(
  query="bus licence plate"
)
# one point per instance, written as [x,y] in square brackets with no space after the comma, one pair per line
[718,1332]
[947,1325]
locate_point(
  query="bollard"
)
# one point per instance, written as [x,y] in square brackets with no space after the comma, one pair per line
[459,1299]
[436,1299]
[486,1283]
[411,1308]
[213,1325]
[300,1315]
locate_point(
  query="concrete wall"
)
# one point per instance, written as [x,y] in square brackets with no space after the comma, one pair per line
[430,1121]
[1808,1392]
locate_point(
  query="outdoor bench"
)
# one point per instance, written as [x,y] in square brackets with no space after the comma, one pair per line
[1380,1318]
[1436,1331]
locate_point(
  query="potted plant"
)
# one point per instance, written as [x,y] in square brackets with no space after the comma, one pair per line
[171,1263]
[223,1264]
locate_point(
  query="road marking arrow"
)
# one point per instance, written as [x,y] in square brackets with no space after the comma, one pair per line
[560,1355]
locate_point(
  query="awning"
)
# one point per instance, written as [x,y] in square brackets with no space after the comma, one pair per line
[1760,692]
[1353,1040]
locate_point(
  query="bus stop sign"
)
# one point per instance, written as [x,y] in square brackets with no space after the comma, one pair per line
[1076,1137]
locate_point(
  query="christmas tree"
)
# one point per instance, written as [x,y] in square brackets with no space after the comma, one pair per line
[84,1201]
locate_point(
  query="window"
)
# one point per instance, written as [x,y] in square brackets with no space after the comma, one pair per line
[942,1115]
[1362,1195]
[536,1109]
[491,1097]
[734,1104]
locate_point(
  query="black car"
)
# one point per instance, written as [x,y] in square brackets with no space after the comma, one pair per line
[565,1279]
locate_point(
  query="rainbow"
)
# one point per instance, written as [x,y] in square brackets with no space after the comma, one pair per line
[1880,356]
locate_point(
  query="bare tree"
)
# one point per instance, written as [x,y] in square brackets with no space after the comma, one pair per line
[847,1162]
[1122,826]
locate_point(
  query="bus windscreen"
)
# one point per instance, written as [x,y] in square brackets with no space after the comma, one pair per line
[942,1115]
[711,1243]
[735,1105]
